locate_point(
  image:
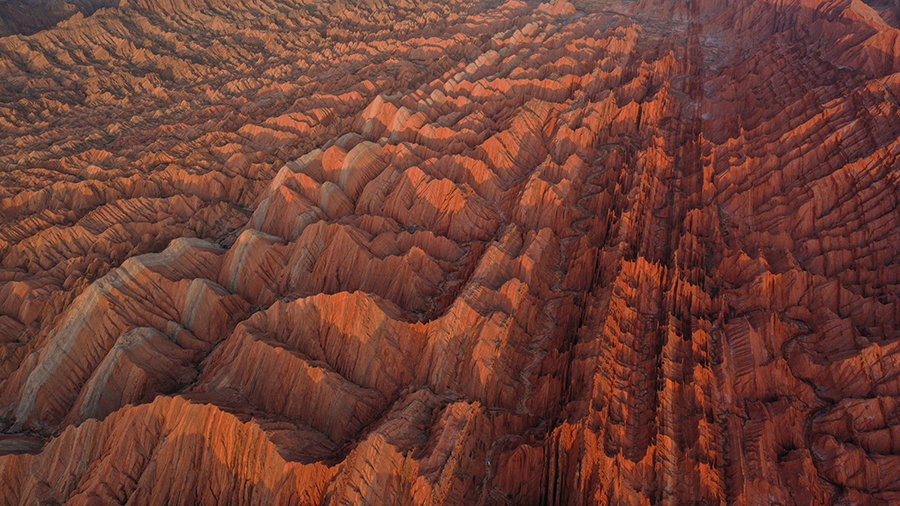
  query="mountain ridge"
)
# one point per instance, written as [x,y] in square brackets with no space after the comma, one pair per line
[452,253]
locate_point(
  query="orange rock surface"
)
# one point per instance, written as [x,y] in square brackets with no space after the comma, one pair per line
[388,252]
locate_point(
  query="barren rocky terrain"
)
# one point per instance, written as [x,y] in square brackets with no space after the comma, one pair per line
[461,252]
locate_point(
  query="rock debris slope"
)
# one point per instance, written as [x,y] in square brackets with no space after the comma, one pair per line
[460,252]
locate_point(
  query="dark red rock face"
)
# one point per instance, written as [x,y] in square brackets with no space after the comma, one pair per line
[390,252]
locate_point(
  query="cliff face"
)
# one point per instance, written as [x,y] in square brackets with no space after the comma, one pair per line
[452,253]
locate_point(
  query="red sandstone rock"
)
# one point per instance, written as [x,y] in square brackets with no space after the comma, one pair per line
[599,252]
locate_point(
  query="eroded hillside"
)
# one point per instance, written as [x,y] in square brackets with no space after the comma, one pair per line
[459,252]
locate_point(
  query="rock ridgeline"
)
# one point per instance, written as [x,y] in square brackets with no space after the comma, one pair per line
[619,253]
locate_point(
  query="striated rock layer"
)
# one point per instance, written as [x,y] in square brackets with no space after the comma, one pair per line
[390,252]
